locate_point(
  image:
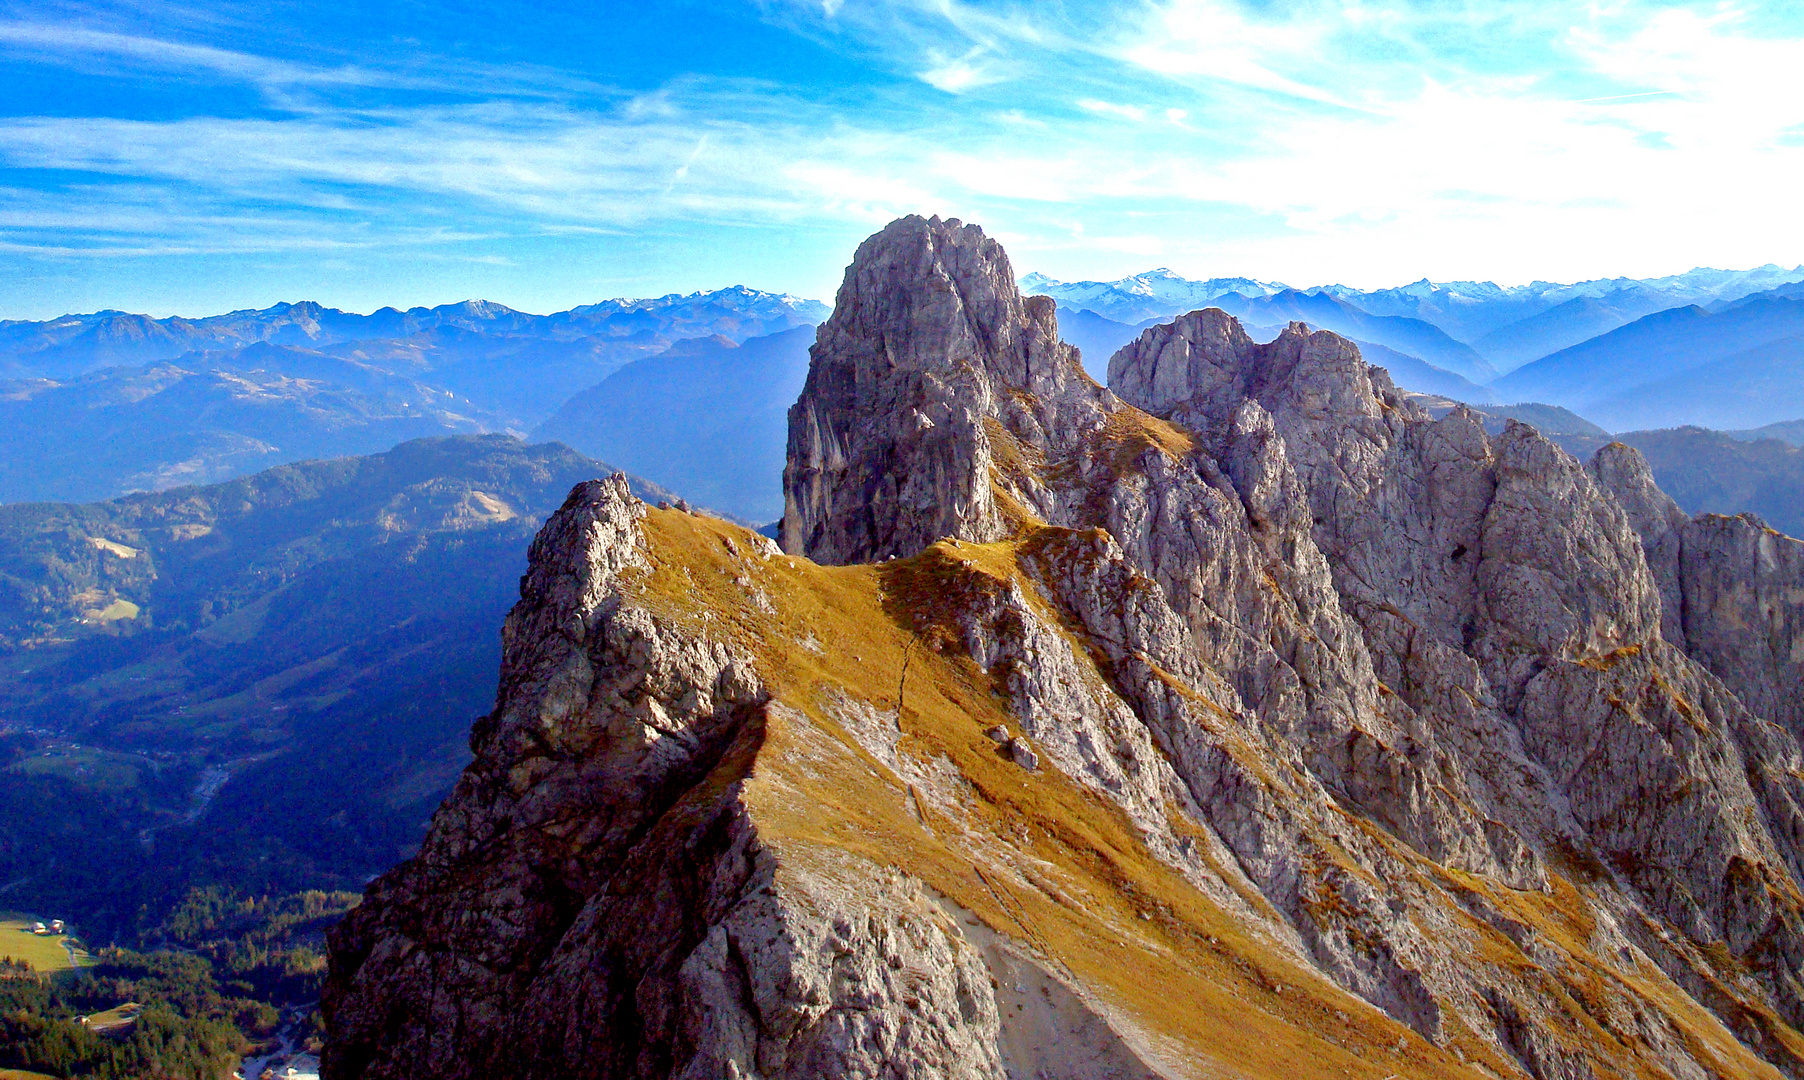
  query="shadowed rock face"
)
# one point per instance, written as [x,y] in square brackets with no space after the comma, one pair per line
[1292,680]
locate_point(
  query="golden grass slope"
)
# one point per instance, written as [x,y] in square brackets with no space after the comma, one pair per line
[1056,867]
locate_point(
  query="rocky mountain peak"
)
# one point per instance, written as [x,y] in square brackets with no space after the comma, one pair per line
[1200,367]
[936,296]
[1250,718]
[929,341]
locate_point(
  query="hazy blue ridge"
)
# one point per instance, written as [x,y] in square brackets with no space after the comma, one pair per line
[72,344]
[1562,326]
[1600,377]
[707,417]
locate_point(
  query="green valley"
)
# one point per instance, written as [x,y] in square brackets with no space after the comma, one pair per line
[225,709]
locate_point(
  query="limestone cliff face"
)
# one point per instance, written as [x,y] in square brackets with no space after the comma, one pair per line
[1504,595]
[1731,589]
[928,340]
[1241,720]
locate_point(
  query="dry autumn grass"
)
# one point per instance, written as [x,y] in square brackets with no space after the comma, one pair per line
[1042,860]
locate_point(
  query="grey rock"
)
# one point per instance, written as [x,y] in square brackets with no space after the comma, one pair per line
[1494,741]
[888,444]
[1732,590]
[591,903]
[1500,573]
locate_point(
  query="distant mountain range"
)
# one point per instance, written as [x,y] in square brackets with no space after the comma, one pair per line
[707,417]
[89,418]
[109,432]
[1712,347]
[73,344]
[1470,310]
[1155,295]
[680,386]
[1474,313]
[1514,344]
[1733,368]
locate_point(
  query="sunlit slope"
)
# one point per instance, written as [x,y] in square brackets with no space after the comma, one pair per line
[1062,872]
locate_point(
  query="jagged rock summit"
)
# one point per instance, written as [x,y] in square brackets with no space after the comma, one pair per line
[1241,720]
[929,341]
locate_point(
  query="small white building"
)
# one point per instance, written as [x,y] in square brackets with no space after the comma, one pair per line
[302,1067]
[40,928]
[56,926]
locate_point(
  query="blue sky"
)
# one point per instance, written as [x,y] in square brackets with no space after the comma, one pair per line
[189,158]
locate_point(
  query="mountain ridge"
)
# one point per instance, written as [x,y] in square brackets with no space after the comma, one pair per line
[72,344]
[1099,337]
[215,414]
[1504,323]
[662,417]
[1244,685]
[1601,376]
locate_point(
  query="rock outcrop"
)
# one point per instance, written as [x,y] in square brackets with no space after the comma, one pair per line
[1731,589]
[929,342]
[1238,719]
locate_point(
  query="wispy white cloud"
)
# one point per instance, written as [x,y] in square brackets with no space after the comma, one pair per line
[77,41]
[516,155]
[1135,113]
[285,83]
[1365,141]
[1213,39]
[959,74]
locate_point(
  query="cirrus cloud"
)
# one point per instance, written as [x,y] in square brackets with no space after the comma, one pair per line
[1361,142]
